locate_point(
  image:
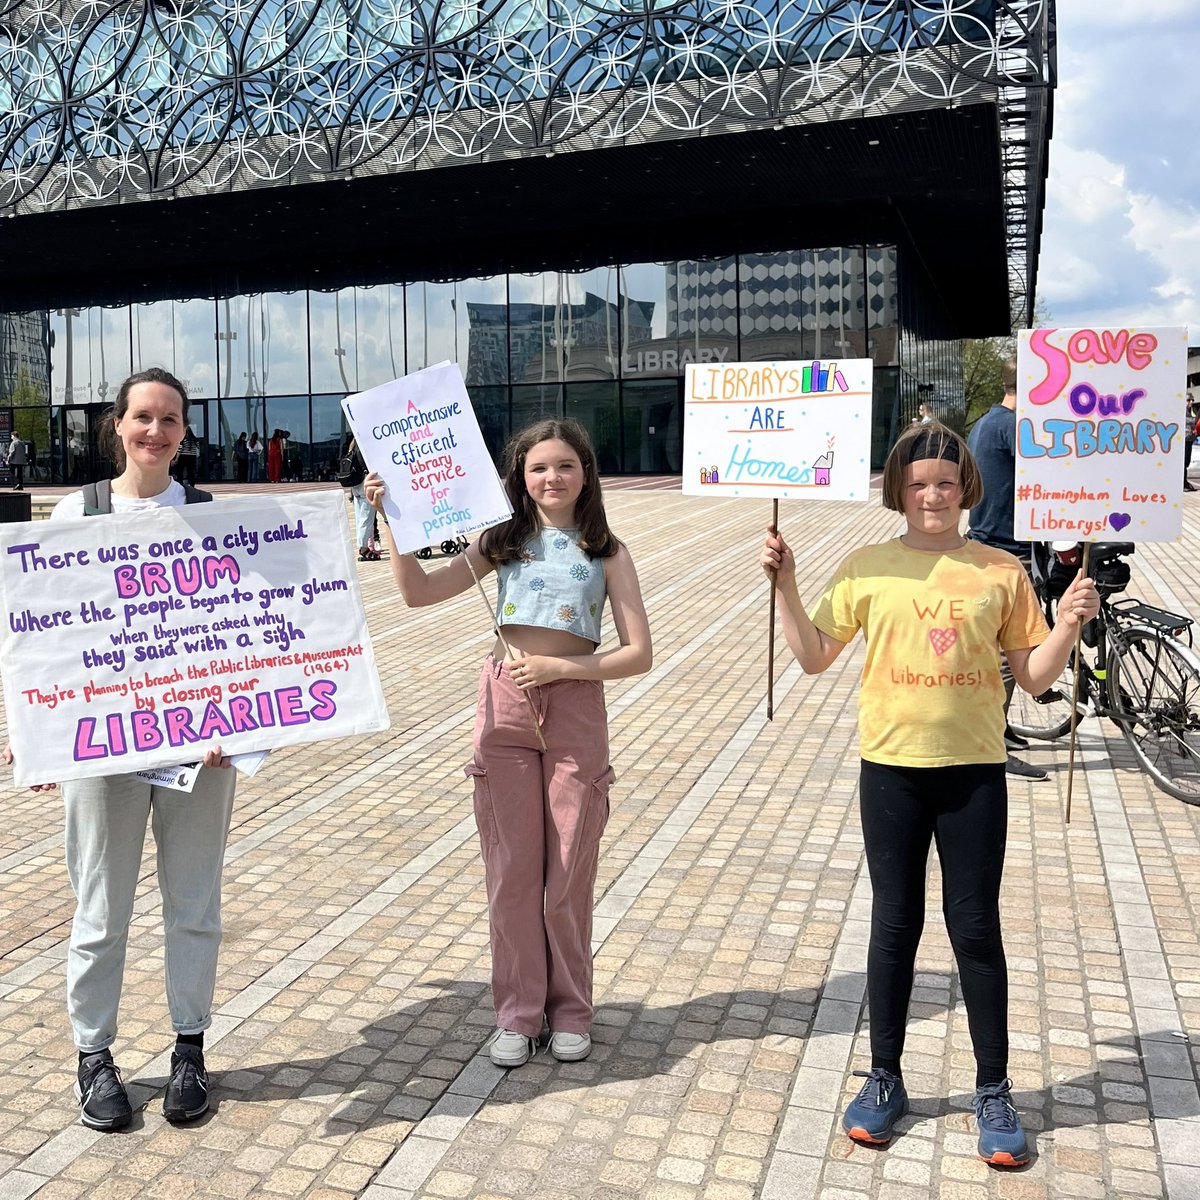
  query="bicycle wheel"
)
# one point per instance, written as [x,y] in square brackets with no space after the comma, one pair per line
[1154,687]
[1047,716]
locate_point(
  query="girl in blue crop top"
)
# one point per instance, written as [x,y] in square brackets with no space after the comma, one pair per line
[542,809]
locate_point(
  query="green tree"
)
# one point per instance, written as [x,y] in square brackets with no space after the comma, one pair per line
[983,367]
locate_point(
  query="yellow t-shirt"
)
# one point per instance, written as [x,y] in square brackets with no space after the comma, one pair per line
[934,624]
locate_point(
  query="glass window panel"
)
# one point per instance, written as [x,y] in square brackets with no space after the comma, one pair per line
[290,413]
[535,403]
[263,344]
[328,435]
[89,354]
[180,336]
[35,427]
[357,338]
[491,411]
[882,306]
[802,304]
[24,359]
[595,407]
[652,422]
[463,322]
[244,415]
[564,325]
[676,313]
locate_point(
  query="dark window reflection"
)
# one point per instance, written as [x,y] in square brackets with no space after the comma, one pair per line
[290,414]
[328,435]
[531,404]
[652,422]
[595,407]
[491,411]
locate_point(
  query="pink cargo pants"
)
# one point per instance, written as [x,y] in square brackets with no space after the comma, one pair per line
[540,816]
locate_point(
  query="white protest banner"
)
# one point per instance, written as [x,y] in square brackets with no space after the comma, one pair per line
[420,434]
[1100,432]
[778,429]
[134,640]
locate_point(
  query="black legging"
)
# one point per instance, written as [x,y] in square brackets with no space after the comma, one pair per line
[964,809]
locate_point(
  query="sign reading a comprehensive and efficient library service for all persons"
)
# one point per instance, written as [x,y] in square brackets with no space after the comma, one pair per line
[781,429]
[420,434]
[135,640]
[1100,433]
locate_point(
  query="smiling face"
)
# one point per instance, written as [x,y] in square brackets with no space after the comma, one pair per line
[152,426]
[554,479]
[932,498]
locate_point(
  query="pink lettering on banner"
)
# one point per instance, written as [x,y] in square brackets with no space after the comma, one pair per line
[85,748]
[179,726]
[322,692]
[241,714]
[291,711]
[146,733]
[1086,346]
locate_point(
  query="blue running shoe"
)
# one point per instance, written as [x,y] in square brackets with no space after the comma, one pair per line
[869,1117]
[1001,1138]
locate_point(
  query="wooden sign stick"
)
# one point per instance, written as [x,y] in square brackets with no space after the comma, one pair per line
[771,625]
[1083,570]
[508,654]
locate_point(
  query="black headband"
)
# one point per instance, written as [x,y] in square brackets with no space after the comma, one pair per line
[931,444]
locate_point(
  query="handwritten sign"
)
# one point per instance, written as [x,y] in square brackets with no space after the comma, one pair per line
[1100,433]
[779,429]
[135,640]
[420,434]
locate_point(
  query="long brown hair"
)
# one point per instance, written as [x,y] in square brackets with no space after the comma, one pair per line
[506,543]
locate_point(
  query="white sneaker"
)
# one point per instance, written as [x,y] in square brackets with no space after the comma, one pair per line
[570,1047]
[511,1049]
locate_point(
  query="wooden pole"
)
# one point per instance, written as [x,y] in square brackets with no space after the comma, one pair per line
[1083,570]
[508,654]
[771,624]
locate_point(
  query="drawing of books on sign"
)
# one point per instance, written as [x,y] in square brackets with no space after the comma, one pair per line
[774,429]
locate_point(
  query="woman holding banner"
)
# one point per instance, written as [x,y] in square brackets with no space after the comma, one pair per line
[106,818]
[936,610]
[541,770]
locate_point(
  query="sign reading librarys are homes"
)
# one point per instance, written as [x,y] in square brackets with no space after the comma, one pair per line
[138,640]
[1100,433]
[420,434]
[778,429]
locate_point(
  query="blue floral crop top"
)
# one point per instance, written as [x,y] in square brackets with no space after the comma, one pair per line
[556,586]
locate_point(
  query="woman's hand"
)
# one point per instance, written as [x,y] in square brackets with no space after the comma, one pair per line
[1079,603]
[374,488]
[777,560]
[533,670]
[7,755]
[215,758]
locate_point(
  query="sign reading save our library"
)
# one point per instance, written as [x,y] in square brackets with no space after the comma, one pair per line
[1100,433]
[137,640]
[779,429]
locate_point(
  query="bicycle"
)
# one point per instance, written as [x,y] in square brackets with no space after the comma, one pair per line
[1145,677]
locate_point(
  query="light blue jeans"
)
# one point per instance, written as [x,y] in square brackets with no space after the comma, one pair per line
[364,516]
[105,831]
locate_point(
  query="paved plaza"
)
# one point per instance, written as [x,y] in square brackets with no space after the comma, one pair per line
[731,926]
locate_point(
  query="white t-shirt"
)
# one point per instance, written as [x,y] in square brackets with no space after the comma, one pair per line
[72,504]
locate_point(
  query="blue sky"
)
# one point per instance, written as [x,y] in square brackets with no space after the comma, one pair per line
[1121,244]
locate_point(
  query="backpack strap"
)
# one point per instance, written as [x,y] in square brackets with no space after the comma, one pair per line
[97,498]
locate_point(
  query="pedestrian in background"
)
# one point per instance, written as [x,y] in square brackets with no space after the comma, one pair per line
[1192,419]
[18,457]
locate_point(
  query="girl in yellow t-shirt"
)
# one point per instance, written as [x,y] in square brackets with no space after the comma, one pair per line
[935,610]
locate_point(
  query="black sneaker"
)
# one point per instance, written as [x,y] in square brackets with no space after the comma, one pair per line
[187,1089]
[1014,766]
[1013,740]
[103,1101]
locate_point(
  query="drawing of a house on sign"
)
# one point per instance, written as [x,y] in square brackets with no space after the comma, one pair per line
[822,467]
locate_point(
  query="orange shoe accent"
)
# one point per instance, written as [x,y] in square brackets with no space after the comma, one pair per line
[861,1135]
[1004,1159]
